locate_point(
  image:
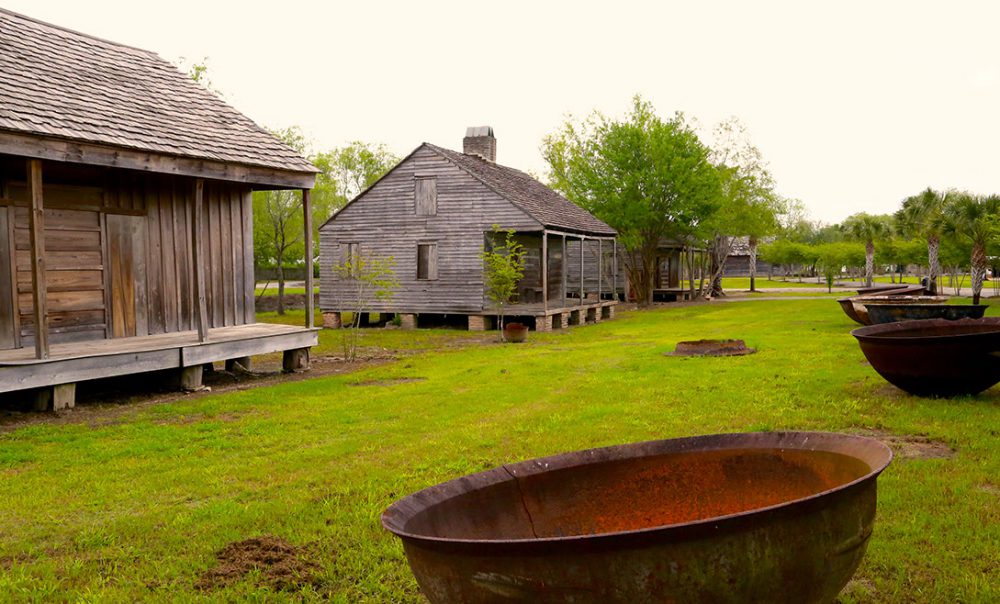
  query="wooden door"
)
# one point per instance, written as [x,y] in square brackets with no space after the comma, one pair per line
[8,322]
[126,236]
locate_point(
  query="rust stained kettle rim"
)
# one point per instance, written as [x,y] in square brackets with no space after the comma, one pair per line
[395,517]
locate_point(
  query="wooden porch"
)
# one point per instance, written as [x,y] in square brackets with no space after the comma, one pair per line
[69,363]
[552,314]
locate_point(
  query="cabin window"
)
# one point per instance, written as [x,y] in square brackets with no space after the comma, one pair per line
[426,195]
[427,261]
[352,252]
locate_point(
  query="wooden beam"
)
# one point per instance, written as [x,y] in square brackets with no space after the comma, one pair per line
[146,161]
[198,251]
[307,220]
[36,228]
[600,267]
[545,269]
[564,269]
[614,271]
[582,294]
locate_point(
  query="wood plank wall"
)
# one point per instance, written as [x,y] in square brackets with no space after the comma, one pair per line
[157,211]
[385,223]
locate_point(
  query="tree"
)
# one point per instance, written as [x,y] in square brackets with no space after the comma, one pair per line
[647,177]
[975,219]
[366,278]
[866,229]
[278,222]
[750,205]
[503,267]
[355,167]
[922,215]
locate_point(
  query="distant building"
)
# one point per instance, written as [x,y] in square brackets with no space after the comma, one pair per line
[432,213]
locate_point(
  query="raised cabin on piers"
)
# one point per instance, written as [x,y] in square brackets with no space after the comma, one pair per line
[126,239]
[433,214]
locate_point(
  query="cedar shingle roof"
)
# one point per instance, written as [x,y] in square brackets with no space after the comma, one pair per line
[60,83]
[540,202]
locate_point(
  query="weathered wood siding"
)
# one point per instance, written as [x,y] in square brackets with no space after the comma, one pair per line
[118,253]
[384,222]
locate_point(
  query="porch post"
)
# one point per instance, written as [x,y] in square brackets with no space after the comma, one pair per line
[581,271]
[600,266]
[201,318]
[545,269]
[36,228]
[614,269]
[307,219]
[563,269]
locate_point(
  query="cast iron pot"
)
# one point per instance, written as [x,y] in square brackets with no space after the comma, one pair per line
[860,303]
[757,517]
[936,357]
[515,332]
[891,313]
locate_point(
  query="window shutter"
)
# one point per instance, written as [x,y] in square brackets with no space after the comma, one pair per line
[426,195]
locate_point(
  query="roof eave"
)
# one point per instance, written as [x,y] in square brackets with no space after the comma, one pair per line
[98,154]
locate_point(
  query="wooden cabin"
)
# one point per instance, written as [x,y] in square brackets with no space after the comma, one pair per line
[432,214]
[126,238]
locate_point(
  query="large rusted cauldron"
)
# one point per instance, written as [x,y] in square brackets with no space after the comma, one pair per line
[936,357]
[757,517]
[891,313]
[858,305]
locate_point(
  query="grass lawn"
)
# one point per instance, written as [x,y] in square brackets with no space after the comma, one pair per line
[135,508]
[743,283]
[272,290]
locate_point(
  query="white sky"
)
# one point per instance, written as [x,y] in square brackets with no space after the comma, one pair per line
[854,104]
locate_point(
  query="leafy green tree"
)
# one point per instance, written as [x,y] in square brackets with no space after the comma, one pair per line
[750,205]
[976,219]
[278,222]
[922,215]
[366,278]
[649,178]
[867,229]
[503,267]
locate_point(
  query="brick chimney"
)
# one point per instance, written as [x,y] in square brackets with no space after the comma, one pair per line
[479,141]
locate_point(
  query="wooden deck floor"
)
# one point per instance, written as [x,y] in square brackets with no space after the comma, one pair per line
[554,307]
[81,361]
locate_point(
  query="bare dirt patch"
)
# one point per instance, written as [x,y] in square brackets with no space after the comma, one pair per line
[280,565]
[911,446]
[712,348]
[389,382]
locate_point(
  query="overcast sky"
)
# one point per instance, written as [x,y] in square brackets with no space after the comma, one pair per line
[854,104]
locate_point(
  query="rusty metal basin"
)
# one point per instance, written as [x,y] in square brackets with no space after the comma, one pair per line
[860,304]
[891,313]
[757,517]
[936,357]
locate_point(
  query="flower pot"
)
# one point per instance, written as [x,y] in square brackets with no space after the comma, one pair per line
[515,332]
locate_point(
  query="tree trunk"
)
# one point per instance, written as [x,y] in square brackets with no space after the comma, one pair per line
[281,283]
[933,264]
[753,262]
[978,270]
[869,262]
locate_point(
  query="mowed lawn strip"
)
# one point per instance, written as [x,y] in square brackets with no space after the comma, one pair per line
[137,508]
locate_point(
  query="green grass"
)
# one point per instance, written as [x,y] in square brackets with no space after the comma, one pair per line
[134,508]
[272,290]
[743,283]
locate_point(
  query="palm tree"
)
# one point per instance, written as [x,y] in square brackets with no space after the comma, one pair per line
[976,219]
[867,228]
[922,215]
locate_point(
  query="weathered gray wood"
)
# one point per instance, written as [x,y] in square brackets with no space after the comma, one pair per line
[55,398]
[201,304]
[384,221]
[7,276]
[308,234]
[564,269]
[264,344]
[241,364]
[117,157]
[190,378]
[37,230]
[425,193]
[249,283]
[545,269]
[295,360]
